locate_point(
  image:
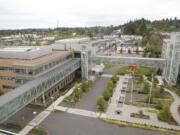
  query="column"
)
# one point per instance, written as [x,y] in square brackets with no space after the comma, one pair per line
[84,64]
[43,98]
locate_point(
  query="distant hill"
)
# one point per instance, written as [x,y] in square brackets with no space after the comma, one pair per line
[143,26]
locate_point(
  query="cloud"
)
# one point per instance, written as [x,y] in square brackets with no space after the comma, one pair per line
[72,13]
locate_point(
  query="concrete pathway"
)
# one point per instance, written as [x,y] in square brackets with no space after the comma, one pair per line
[78,111]
[160,80]
[40,117]
[107,75]
[174,106]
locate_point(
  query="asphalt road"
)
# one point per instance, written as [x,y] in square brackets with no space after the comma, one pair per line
[88,100]
[60,123]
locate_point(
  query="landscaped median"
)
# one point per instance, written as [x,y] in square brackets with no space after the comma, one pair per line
[102,101]
[137,125]
[78,91]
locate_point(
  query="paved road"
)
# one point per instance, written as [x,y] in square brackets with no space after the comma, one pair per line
[69,124]
[88,100]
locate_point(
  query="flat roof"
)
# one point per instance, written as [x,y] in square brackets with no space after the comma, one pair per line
[36,61]
[19,49]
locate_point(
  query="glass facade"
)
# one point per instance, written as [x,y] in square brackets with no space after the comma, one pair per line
[171,52]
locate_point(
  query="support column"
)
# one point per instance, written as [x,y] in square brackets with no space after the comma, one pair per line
[84,64]
[43,97]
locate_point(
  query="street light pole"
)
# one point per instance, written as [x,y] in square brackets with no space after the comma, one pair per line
[132,89]
[150,92]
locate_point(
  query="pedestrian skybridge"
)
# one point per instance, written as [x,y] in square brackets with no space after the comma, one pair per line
[147,62]
[15,100]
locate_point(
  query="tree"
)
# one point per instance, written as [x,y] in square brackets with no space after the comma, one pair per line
[114,79]
[77,93]
[121,50]
[115,47]
[162,89]
[159,71]
[146,88]
[165,114]
[110,85]
[91,35]
[158,105]
[137,50]
[129,51]
[107,94]
[101,104]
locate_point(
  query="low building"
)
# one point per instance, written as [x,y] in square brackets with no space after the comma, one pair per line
[133,49]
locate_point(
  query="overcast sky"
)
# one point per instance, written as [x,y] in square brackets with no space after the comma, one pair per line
[72,13]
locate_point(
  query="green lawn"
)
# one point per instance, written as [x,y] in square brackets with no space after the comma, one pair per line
[38,131]
[139,71]
[108,66]
[136,125]
[14,126]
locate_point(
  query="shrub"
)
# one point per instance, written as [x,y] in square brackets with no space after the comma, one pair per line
[2,92]
[77,93]
[84,86]
[157,94]
[162,89]
[101,104]
[158,106]
[114,79]
[107,94]
[165,114]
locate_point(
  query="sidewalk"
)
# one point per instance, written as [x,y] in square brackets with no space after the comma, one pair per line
[78,111]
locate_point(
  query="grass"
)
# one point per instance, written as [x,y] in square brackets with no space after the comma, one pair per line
[152,110]
[137,125]
[62,92]
[139,115]
[175,89]
[67,101]
[38,131]
[14,126]
[140,71]
[77,93]
[108,66]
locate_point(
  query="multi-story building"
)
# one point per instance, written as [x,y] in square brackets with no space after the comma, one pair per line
[171,52]
[19,65]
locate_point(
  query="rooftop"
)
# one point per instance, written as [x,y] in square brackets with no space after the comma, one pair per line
[34,62]
[19,49]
